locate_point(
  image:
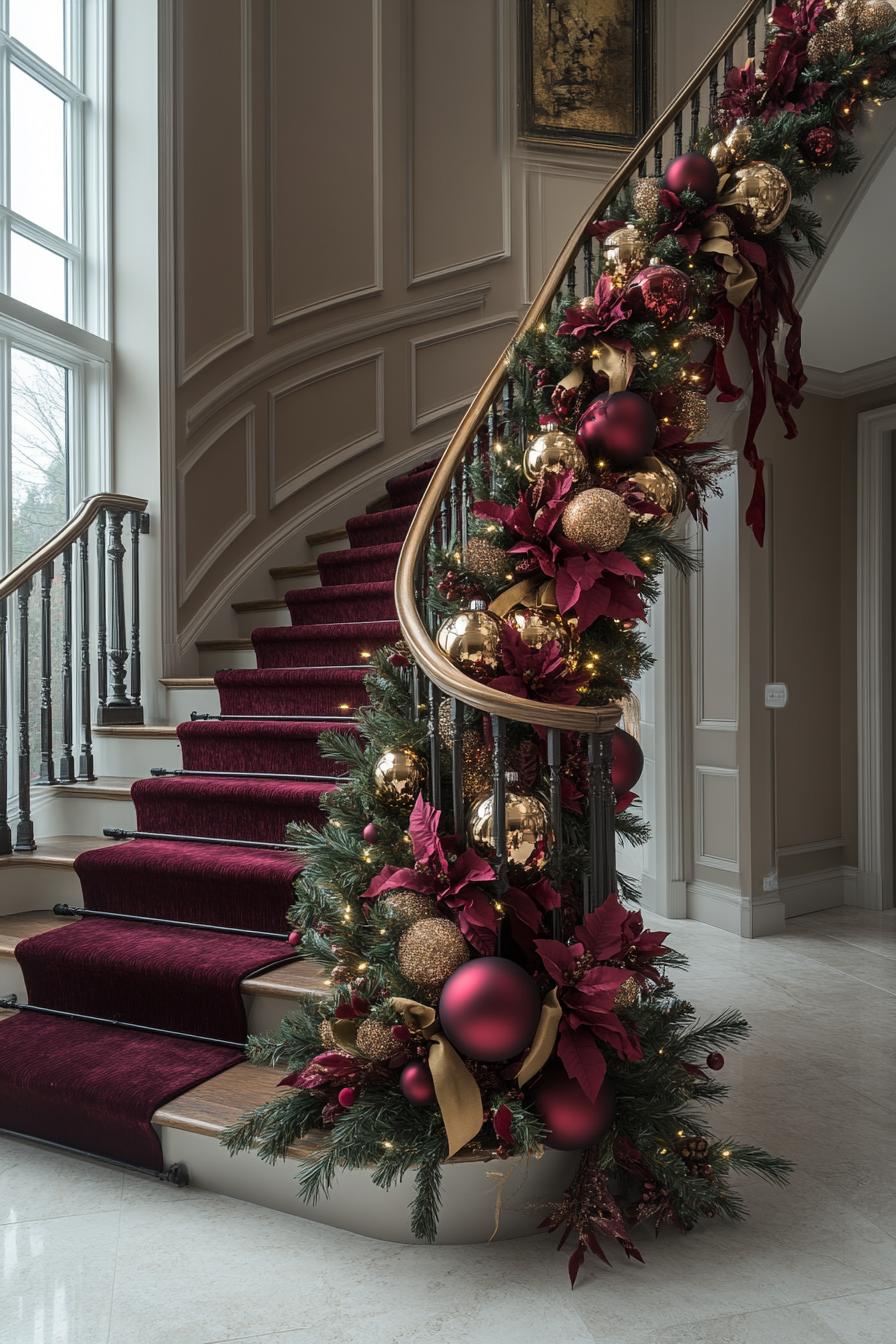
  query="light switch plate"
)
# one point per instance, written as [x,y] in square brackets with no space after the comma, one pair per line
[775,695]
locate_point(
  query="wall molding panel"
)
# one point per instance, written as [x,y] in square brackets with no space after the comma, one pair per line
[422,416]
[245,416]
[709,831]
[325,461]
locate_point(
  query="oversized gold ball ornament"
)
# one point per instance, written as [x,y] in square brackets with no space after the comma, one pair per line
[646,198]
[484,559]
[537,626]
[554,450]
[831,41]
[398,775]
[471,640]
[597,520]
[865,16]
[738,142]
[528,830]
[660,484]
[763,192]
[431,950]
[409,906]
[625,252]
[375,1040]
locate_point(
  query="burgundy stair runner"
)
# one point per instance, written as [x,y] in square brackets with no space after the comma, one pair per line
[94,1086]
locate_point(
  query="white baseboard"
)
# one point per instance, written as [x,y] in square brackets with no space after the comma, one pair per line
[822,890]
[735,911]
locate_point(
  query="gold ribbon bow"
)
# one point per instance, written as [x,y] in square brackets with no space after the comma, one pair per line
[533,592]
[618,365]
[543,1042]
[740,277]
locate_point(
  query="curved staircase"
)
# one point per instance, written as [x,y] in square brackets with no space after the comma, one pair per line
[182,944]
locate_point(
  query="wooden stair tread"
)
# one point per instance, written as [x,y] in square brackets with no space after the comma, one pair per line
[332,534]
[292,571]
[135,730]
[218,1103]
[104,786]
[57,849]
[222,645]
[186,683]
[27,924]
[262,604]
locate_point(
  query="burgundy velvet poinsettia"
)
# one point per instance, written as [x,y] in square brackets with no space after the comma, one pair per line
[595,318]
[611,945]
[682,223]
[589,585]
[786,57]
[535,674]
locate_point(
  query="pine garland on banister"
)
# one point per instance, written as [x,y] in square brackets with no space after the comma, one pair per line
[571,528]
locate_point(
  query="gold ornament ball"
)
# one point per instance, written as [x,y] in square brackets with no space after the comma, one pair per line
[660,484]
[738,142]
[721,155]
[409,906]
[431,950]
[763,191]
[484,559]
[554,450]
[374,1040]
[834,39]
[627,994]
[646,198]
[624,253]
[398,775]
[471,640]
[865,16]
[528,830]
[596,519]
[537,626]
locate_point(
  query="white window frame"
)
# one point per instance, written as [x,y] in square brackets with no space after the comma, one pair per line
[83,342]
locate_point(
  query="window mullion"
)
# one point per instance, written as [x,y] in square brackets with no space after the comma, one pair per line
[5,462]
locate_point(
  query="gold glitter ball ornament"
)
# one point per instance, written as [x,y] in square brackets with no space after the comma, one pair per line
[477,766]
[691,412]
[627,994]
[625,252]
[327,1038]
[738,142]
[409,906]
[721,156]
[375,1040]
[597,520]
[537,626]
[431,950]
[484,559]
[865,16]
[660,484]
[471,640]
[646,198]
[554,450]
[831,41]
[762,191]
[528,830]
[398,775]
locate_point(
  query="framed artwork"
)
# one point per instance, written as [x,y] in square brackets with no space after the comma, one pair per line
[587,72]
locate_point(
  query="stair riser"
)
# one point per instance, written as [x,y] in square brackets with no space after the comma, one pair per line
[374,529]
[225,821]
[212,660]
[37,886]
[354,568]
[134,756]
[319,699]
[313,652]
[374,607]
[67,815]
[181,701]
[246,621]
[214,752]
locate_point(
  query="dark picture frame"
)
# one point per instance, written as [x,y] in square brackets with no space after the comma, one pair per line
[586,71]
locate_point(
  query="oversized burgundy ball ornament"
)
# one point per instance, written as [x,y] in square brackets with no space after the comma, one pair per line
[661,292]
[693,172]
[416,1083]
[570,1117]
[489,1009]
[618,428]
[627,762]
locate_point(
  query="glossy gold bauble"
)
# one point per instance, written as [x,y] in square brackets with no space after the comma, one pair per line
[375,1040]
[831,41]
[660,484]
[597,520]
[537,626]
[398,775]
[471,640]
[484,559]
[646,198]
[627,994]
[865,16]
[738,142]
[554,450]
[625,252]
[528,830]
[409,906]
[431,950]
[763,192]
[721,156]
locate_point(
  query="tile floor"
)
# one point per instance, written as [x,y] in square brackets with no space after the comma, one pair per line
[91,1256]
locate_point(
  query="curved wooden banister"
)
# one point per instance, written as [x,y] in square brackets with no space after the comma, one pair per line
[88,510]
[418,638]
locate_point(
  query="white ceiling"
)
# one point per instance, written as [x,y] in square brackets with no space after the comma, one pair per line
[849,315]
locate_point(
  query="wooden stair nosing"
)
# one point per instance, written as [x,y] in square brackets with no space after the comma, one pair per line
[293,571]
[222,645]
[111,787]
[58,850]
[135,730]
[219,1102]
[263,604]
[186,683]
[331,534]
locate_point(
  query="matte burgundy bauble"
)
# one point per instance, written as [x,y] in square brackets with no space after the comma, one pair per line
[572,1119]
[489,1009]
[347,1097]
[693,172]
[416,1083]
[627,763]
[715,1061]
[662,293]
[619,428]
[371,833]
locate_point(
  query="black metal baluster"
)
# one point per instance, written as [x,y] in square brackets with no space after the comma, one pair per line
[444,529]
[456,537]
[555,775]
[679,134]
[102,665]
[24,828]
[658,158]
[457,764]
[729,61]
[435,746]
[416,703]
[499,813]
[66,755]
[588,253]
[5,833]
[117,708]
[466,500]
[713,93]
[695,118]
[85,759]
[751,37]
[571,283]
[592,896]
[431,619]
[136,669]
[47,774]
[608,876]
[642,168]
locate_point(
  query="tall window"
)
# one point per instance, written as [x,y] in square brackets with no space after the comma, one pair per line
[54,348]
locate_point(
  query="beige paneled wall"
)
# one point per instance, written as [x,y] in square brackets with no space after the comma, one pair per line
[351,230]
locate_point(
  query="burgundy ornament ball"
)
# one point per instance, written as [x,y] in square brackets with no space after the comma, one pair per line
[571,1118]
[371,833]
[693,172]
[489,1009]
[627,763]
[715,1061]
[820,144]
[660,292]
[416,1083]
[618,428]
[347,1097]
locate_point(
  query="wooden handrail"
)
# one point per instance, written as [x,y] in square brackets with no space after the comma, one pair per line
[69,533]
[423,650]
